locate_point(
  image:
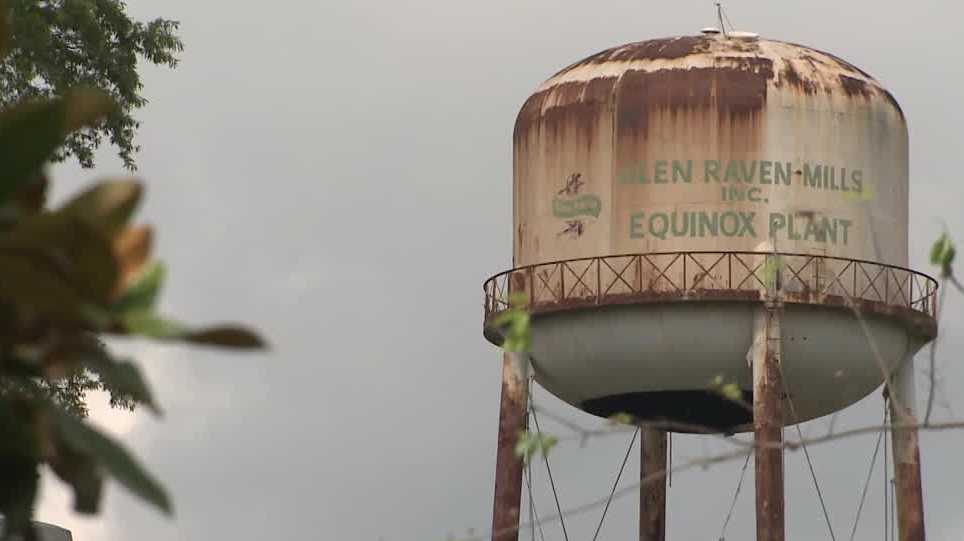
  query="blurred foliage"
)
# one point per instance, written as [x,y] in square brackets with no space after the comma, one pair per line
[58,45]
[621,418]
[69,276]
[515,324]
[942,254]
[728,390]
[529,443]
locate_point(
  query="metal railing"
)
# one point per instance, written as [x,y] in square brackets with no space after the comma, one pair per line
[668,276]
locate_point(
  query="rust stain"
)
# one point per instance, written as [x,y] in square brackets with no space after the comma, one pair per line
[735,85]
[653,49]
[856,87]
[575,104]
[731,92]
[839,62]
[791,77]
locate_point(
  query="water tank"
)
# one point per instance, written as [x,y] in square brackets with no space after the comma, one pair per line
[661,189]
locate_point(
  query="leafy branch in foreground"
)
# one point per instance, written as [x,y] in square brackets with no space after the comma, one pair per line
[68,276]
[57,45]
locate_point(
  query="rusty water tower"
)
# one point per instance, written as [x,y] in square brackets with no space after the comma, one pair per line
[706,208]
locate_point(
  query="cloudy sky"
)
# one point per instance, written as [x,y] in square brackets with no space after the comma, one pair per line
[339,175]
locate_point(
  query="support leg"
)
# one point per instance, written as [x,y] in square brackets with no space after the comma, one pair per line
[513,417]
[910,499]
[652,494]
[768,422]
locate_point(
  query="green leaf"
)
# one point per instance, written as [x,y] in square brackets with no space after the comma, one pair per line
[30,133]
[529,443]
[67,248]
[227,336]
[622,418]
[730,391]
[108,205]
[526,445]
[80,471]
[148,324]
[771,270]
[943,253]
[515,325]
[151,325]
[114,459]
[132,251]
[142,295]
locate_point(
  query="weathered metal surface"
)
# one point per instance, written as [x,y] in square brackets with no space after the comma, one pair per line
[652,489]
[513,418]
[768,418]
[800,142]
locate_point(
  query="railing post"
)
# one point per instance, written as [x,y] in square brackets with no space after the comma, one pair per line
[729,264]
[853,292]
[685,289]
[887,285]
[562,282]
[639,273]
[598,280]
[532,287]
[910,296]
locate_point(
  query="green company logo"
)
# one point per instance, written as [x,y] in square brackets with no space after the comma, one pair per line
[583,205]
[571,206]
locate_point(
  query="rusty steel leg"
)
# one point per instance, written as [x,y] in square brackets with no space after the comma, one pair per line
[909,493]
[768,423]
[513,417]
[652,489]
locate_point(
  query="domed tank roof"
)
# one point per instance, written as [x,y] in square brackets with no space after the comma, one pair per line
[730,73]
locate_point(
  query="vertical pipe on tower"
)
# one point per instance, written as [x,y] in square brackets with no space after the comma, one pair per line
[513,418]
[652,489]
[909,494]
[768,421]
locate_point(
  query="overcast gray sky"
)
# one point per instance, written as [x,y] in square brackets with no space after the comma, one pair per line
[339,175]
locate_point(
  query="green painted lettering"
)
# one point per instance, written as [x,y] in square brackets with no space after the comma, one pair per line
[766,172]
[663,220]
[683,173]
[732,171]
[777,221]
[636,225]
[749,173]
[812,176]
[813,232]
[730,223]
[709,224]
[659,175]
[846,226]
[830,230]
[711,168]
[857,177]
[680,229]
[783,174]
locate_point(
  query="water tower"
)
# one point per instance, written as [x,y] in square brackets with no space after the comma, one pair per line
[705,208]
